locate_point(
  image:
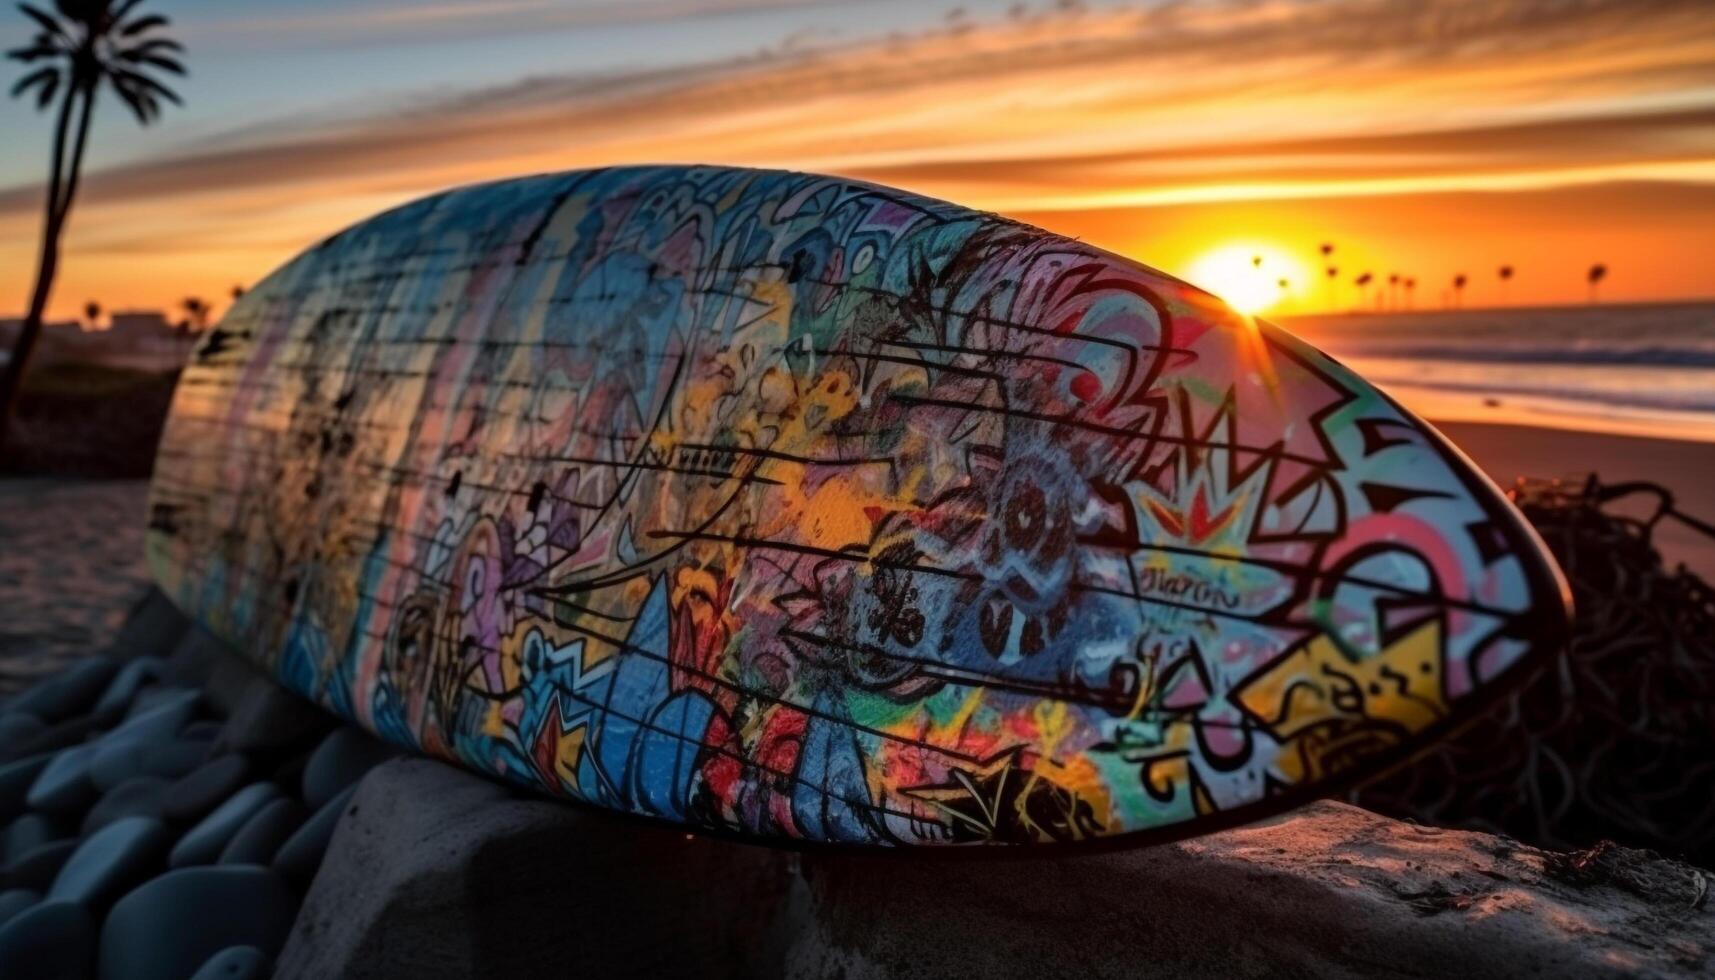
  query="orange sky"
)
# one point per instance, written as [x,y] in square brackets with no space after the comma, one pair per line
[1426,139]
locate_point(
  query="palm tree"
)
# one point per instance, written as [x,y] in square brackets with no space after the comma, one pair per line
[92,314]
[1597,273]
[1393,289]
[196,313]
[82,45]
[1506,274]
[1459,282]
[1333,284]
[1410,289]
[1362,282]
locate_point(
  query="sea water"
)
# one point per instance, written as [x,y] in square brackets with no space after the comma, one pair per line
[1633,369]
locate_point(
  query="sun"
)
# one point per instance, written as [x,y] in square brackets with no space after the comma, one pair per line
[1252,277]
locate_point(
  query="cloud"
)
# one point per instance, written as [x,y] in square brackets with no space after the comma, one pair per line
[1065,109]
[463,19]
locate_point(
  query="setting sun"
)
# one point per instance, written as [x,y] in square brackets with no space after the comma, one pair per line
[1251,277]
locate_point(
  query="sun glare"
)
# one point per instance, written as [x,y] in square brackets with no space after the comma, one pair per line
[1251,278]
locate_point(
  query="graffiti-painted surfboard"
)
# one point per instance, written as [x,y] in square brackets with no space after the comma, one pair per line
[814,511]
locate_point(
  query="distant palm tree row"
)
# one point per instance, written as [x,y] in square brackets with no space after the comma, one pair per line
[198,312]
[1401,289]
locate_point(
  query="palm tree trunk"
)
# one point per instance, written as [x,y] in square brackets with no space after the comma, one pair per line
[53,221]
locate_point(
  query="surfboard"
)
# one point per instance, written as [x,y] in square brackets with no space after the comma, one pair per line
[808,510]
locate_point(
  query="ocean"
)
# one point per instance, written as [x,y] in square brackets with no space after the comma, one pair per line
[1644,369]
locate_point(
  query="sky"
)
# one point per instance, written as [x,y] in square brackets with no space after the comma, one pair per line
[1422,139]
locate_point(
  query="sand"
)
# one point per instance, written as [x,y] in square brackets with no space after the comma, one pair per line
[71,565]
[1686,469]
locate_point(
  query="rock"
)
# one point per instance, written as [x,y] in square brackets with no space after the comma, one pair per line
[110,861]
[119,754]
[267,716]
[15,781]
[49,941]
[435,872]
[1329,891]
[194,657]
[63,785]
[159,712]
[171,760]
[17,726]
[290,772]
[340,761]
[202,789]
[142,796]
[27,832]
[206,730]
[168,928]
[236,963]
[55,737]
[15,900]
[124,687]
[37,867]
[204,842]
[153,628]
[301,854]
[68,692]
[262,834]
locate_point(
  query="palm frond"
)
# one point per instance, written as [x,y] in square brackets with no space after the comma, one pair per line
[163,63]
[142,24]
[124,7]
[142,106]
[50,26]
[147,85]
[156,44]
[33,53]
[41,76]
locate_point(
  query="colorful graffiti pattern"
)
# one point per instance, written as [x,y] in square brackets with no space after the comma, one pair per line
[807,509]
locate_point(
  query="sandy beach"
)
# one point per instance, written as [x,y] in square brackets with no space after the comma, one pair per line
[71,565]
[1685,468]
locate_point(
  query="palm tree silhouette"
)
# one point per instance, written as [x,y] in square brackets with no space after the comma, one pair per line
[196,313]
[84,44]
[1362,282]
[1410,288]
[1333,284]
[1393,289]
[1597,273]
[1459,282]
[92,314]
[1506,274]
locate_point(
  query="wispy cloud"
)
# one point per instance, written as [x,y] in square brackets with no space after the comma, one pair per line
[461,18]
[1179,101]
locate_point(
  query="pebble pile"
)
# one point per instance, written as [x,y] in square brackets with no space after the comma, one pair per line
[150,835]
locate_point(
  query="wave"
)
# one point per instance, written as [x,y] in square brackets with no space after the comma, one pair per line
[1701,402]
[1698,356]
